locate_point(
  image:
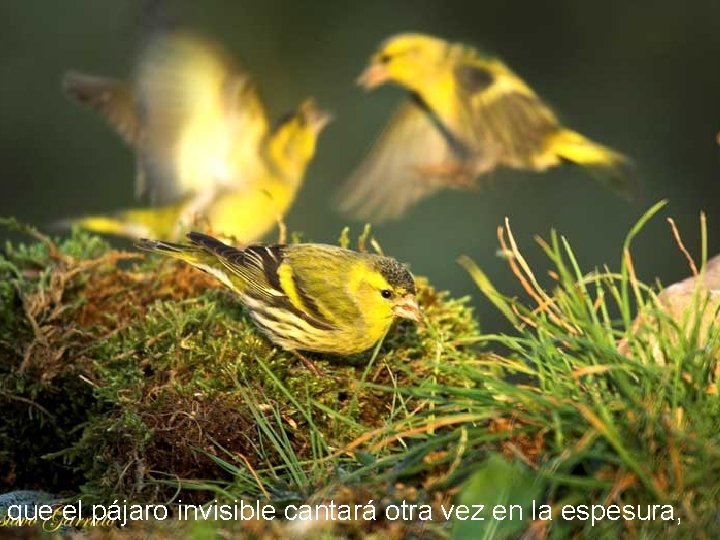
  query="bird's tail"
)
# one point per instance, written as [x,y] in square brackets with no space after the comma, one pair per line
[192,254]
[112,225]
[204,252]
[202,247]
[607,166]
[133,223]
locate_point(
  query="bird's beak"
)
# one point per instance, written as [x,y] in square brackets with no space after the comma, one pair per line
[407,308]
[373,76]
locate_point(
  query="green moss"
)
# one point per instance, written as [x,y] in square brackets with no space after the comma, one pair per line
[155,368]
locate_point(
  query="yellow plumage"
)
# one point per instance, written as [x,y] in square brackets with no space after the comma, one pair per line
[307,297]
[134,223]
[466,115]
[204,149]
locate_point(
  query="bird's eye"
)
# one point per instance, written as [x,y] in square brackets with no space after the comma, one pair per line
[384,58]
[386,293]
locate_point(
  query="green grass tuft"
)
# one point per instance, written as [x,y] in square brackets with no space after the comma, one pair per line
[146,380]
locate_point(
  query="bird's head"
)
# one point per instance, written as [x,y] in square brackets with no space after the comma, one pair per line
[405,59]
[292,143]
[386,291]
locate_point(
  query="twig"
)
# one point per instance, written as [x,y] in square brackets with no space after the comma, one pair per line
[27,401]
[681,245]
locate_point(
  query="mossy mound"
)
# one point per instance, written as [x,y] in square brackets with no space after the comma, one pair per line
[119,373]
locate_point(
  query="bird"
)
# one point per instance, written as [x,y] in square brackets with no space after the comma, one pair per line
[245,214]
[205,149]
[466,114]
[307,297]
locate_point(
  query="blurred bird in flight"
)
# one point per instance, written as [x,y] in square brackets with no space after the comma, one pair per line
[467,114]
[205,150]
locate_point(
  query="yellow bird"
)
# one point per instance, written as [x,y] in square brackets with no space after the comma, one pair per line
[204,148]
[467,113]
[307,297]
[247,213]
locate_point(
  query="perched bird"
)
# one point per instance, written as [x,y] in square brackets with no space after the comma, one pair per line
[307,297]
[205,151]
[467,113]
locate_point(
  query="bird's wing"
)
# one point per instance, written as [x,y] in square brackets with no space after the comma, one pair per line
[266,278]
[203,120]
[247,129]
[238,164]
[112,98]
[255,266]
[401,167]
[510,124]
[179,81]
[316,277]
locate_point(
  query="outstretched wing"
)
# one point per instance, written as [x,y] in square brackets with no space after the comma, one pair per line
[247,129]
[404,165]
[113,99]
[509,121]
[194,118]
[203,120]
[179,82]
[512,122]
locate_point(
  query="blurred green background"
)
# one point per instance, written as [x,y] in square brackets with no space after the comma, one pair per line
[639,76]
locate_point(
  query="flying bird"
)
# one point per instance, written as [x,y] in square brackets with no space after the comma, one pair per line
[466,114]
[204,146]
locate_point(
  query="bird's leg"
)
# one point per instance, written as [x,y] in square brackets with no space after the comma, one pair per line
[309,364]
[202,222]
[195,208]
